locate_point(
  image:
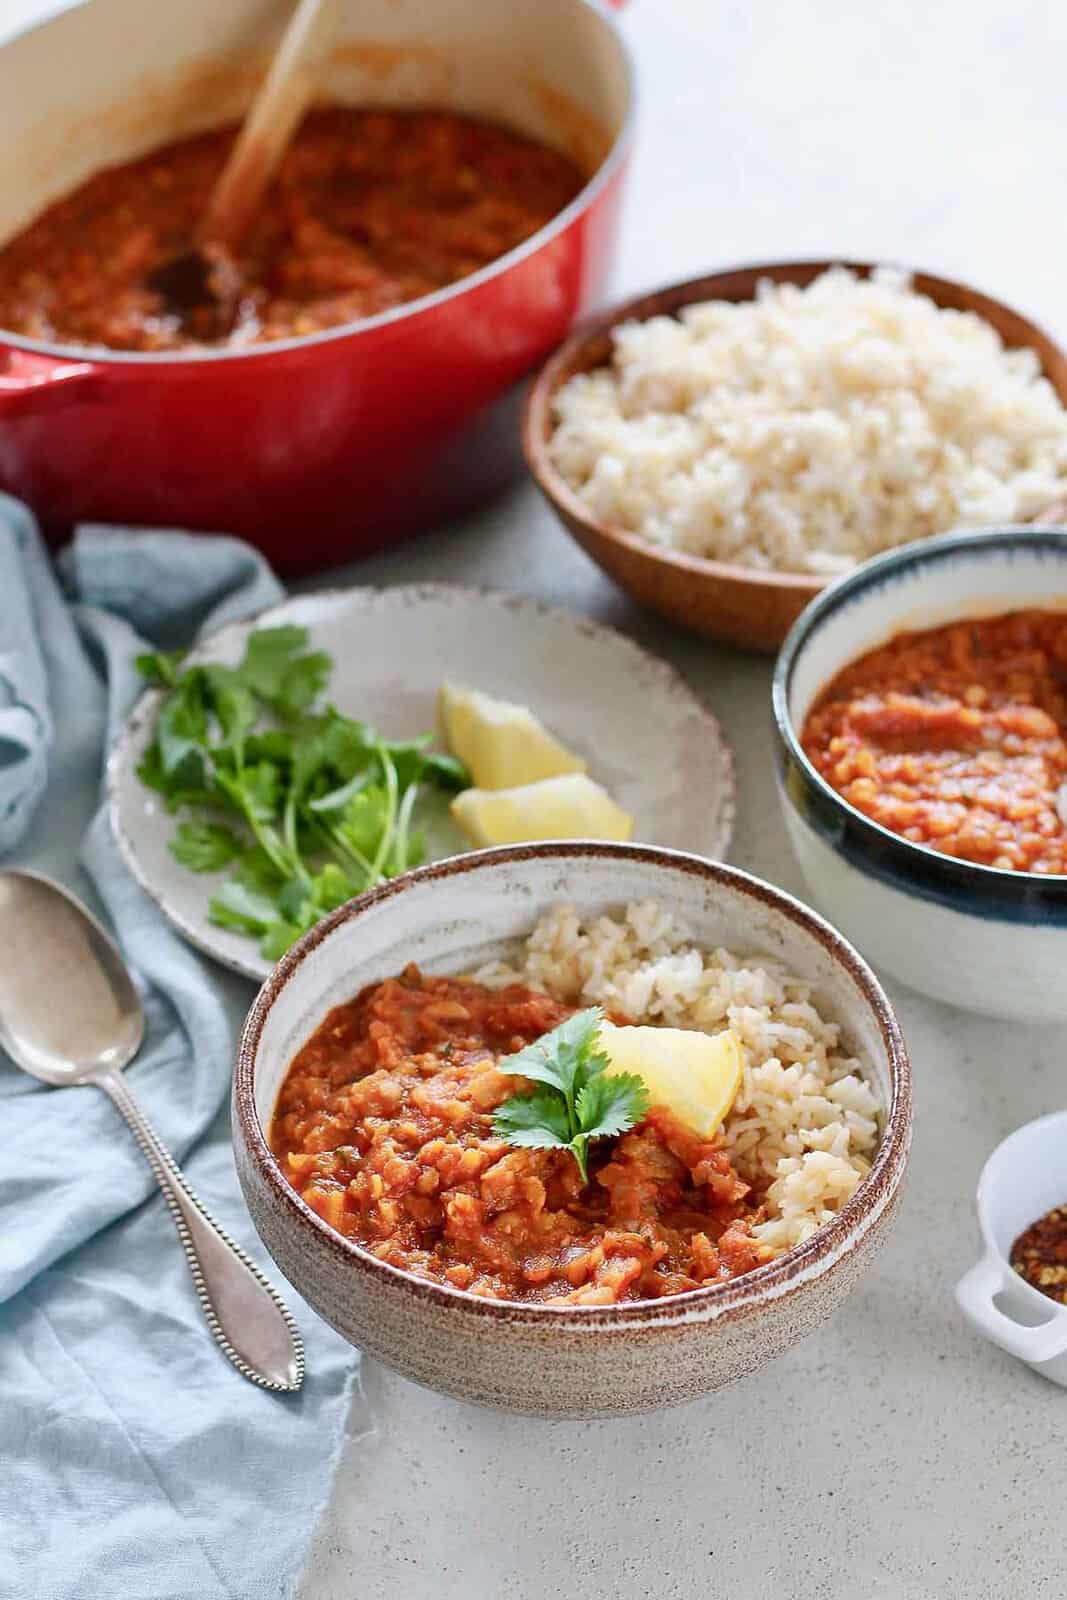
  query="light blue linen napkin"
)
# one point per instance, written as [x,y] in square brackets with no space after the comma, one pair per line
[134,1461]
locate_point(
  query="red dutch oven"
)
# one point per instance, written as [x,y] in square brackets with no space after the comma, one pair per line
[319,448]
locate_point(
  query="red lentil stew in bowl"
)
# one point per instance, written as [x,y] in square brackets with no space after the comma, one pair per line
[427,1185]
[956,738]
[396,1121]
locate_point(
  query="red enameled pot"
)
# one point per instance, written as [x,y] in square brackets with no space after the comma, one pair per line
[319,448]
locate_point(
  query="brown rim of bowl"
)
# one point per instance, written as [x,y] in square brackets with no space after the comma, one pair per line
[589,346]
[733,1296]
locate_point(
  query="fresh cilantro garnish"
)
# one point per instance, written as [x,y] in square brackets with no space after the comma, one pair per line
[275,669]
[574,1102]
[205,846]
[307,807]
[160,666]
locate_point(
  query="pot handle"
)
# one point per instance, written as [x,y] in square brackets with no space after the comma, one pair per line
[974,1296]
[30,384]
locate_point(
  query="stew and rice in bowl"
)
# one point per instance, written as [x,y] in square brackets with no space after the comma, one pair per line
[384,1122]
[721,1233]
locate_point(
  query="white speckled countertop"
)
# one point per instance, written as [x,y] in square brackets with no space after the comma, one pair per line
[894,1455]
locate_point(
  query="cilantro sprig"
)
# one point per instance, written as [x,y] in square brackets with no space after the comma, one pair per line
[574,1101]
[306,806]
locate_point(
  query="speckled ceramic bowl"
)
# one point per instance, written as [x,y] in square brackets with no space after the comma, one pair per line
[981,938]
[561,1361]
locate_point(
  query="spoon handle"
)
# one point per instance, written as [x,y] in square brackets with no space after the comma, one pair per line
[250,1323]
[270,122]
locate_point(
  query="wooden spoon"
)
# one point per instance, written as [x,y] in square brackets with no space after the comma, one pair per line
[201,279]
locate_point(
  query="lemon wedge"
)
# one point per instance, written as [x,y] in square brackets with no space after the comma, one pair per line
[503,744]
[694,1075]
[571,806]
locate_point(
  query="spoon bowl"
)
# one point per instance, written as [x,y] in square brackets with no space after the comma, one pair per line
[60,950]
[200,287]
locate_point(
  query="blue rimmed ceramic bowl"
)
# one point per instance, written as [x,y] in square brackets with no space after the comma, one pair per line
[981,938]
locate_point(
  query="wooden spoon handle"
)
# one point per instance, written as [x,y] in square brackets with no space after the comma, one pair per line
[270,122]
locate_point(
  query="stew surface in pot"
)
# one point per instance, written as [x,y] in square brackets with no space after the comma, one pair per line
[384,1126]
[370,209]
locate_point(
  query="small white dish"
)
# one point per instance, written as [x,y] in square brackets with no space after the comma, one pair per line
[978,937]
[1024,1178]
[648,739]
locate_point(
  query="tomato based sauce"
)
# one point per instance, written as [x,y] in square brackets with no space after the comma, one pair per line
[370,209]
[956,738]
[384,1126]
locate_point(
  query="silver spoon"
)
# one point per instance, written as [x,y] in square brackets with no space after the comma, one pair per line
[69,1014]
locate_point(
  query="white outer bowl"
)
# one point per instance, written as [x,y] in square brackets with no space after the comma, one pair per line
[1025,1177]
[977,937]
[562,1361]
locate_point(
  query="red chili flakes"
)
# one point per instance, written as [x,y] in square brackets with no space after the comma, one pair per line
[1040,1254]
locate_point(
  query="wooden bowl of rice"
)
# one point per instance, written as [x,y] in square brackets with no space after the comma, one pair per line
[727,508]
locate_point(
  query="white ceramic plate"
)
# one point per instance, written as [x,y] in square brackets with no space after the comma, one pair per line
[645,735]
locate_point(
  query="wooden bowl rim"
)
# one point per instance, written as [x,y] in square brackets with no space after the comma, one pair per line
[736,283]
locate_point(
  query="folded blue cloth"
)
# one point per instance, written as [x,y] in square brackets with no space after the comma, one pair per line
[134,1460]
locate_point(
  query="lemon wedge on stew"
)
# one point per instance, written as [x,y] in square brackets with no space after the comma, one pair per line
[694,1075]
[502,744]
[568,807]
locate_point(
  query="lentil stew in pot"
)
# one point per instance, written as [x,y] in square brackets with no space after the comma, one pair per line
[370,209]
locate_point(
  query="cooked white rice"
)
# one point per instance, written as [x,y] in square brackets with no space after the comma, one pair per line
[810,428]
[805,1121]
